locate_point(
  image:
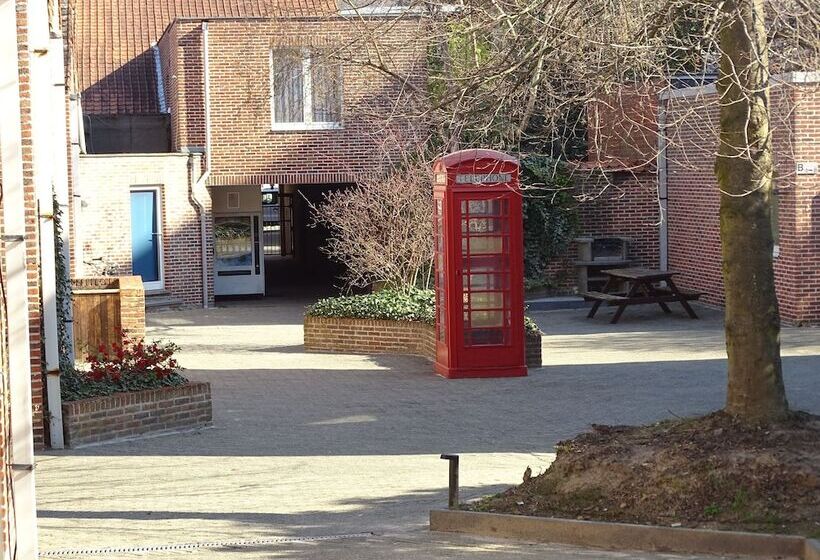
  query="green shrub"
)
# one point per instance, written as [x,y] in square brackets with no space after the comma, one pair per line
[550,218]
[415,305]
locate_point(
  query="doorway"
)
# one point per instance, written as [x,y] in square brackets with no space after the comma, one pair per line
[146,237]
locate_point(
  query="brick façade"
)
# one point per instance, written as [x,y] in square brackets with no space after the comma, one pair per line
[694,199]
[105,220]
[244,149]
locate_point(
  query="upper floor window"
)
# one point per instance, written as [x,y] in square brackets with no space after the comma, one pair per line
[306,90]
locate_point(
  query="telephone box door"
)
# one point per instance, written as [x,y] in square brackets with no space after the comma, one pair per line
[484,267]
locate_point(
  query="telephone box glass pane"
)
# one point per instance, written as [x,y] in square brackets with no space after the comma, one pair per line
[488,263]
[487,319]
[484,337]
[487,245]
[485,225]
[493,207]
[485,281]
[486,300]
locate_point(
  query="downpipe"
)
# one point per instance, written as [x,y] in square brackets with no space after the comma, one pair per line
[203,179]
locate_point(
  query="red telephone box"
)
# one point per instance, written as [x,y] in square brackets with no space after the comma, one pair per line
[479,264]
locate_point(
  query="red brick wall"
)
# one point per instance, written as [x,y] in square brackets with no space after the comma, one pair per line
[32,232]
[369,336]
[105,223]
[132,306]
[694,235]
[612,204]
[622,204]
[802,298]
[129,415]
[622,127]
[377,336]
[244,148]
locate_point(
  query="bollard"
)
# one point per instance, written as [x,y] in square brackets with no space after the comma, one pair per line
[452,498]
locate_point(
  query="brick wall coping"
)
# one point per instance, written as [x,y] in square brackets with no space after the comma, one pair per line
[108,402]
[140,413]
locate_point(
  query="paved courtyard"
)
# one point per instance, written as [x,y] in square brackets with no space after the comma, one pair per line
[307,445]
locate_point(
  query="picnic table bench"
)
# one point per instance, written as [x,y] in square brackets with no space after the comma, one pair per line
[643,288]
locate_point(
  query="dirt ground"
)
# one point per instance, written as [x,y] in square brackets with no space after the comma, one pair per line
[709,471]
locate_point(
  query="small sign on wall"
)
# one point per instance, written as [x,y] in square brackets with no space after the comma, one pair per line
[233,201]
[806,167]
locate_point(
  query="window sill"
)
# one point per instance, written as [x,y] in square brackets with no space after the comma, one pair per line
[297,127]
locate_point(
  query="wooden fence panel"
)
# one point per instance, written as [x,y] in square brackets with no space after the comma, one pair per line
[96,319]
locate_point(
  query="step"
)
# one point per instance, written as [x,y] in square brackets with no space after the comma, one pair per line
[161,301]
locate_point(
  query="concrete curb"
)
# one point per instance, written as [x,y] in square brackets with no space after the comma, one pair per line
[623,536]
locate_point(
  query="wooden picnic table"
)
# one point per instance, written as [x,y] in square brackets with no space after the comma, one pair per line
[643,288]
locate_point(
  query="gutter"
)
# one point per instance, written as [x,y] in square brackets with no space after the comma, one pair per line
[201,182]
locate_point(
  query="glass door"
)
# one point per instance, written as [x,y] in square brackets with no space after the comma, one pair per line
[485,272]
[238,255]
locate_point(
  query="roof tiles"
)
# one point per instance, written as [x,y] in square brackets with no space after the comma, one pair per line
[112,42]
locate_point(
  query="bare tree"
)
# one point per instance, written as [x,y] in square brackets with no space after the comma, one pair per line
[381,228]
[520,74]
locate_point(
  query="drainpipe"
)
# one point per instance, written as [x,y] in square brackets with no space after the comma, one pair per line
[76,137]
[23,513]
[46,173]
[203,179]
[61,194]
[663,193]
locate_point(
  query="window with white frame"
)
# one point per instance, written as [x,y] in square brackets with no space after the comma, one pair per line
[306,90]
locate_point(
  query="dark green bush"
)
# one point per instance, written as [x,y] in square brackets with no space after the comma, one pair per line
[415,305]
[76,384]
[550,217]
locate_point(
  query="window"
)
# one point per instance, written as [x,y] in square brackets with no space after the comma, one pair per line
[306,90]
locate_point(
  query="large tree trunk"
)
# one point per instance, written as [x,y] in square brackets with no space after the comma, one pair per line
[744,172]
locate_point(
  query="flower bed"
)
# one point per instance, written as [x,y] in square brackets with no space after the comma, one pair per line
[128,389]
[125,366]
[386,323]
[130,415]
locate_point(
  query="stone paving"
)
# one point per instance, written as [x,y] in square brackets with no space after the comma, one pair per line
[324,444]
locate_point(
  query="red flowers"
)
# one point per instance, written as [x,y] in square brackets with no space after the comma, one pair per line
[132,358]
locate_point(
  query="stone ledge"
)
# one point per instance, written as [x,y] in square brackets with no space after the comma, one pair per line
[383,336]
[133,415]
[623,536]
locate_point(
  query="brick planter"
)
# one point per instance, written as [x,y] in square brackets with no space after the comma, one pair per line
[130,415]
[378,336]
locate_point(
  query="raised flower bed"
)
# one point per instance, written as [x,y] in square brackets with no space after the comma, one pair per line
[386,323]
[130,389]
[129,415]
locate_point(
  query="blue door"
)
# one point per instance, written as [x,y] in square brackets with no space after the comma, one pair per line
[145,235]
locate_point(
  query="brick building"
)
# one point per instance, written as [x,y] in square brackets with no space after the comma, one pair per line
[34,148]
[197,108]
[650,178]
[693,196]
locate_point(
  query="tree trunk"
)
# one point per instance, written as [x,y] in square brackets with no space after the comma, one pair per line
[744,172]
